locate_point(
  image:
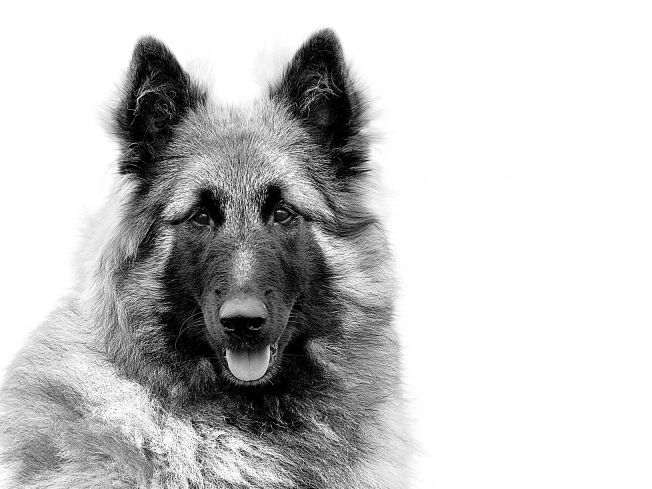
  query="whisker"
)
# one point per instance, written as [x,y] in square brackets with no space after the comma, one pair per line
[188,323]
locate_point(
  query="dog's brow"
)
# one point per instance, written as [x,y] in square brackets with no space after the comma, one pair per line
[301,191]
[271,195]
[187,194]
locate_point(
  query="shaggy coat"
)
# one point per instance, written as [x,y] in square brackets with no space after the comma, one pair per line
[129,384]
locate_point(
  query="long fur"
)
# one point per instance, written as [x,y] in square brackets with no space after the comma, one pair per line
[120,387]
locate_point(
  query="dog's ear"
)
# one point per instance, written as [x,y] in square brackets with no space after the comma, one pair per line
[156,95]
[317,88]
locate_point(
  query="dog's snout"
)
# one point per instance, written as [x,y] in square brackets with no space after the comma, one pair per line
[242,316]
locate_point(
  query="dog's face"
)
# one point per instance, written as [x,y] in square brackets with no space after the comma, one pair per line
[239,213]
[235,203]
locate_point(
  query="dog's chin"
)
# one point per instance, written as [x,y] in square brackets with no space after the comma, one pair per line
[250,366]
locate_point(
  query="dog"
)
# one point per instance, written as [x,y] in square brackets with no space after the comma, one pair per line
[232,326]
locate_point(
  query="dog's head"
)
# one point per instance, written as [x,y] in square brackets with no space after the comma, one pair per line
[233,207]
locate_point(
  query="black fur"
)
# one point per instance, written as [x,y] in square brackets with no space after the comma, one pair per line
[318,89]
[128,386]
[158,93]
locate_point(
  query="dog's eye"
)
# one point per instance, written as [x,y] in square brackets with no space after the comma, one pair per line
[202,219]
[282,215]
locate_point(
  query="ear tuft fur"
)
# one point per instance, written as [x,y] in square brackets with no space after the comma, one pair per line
[157,94]
[318,89]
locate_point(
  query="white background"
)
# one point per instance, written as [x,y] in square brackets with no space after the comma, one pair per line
[517,162]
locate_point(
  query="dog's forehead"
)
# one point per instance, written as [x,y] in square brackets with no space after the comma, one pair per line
[240,154]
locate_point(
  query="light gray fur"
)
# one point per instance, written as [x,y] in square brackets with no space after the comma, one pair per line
[69,418]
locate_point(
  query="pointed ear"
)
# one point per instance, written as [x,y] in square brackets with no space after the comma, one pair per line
[157,94]
[317,88]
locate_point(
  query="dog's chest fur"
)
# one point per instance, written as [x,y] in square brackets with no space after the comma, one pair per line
[130,439]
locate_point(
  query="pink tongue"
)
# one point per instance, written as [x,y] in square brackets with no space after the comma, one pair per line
[248,364]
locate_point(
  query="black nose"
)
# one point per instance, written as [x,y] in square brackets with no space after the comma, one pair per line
[243,316]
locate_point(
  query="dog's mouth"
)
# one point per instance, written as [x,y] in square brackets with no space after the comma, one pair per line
[252,364]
